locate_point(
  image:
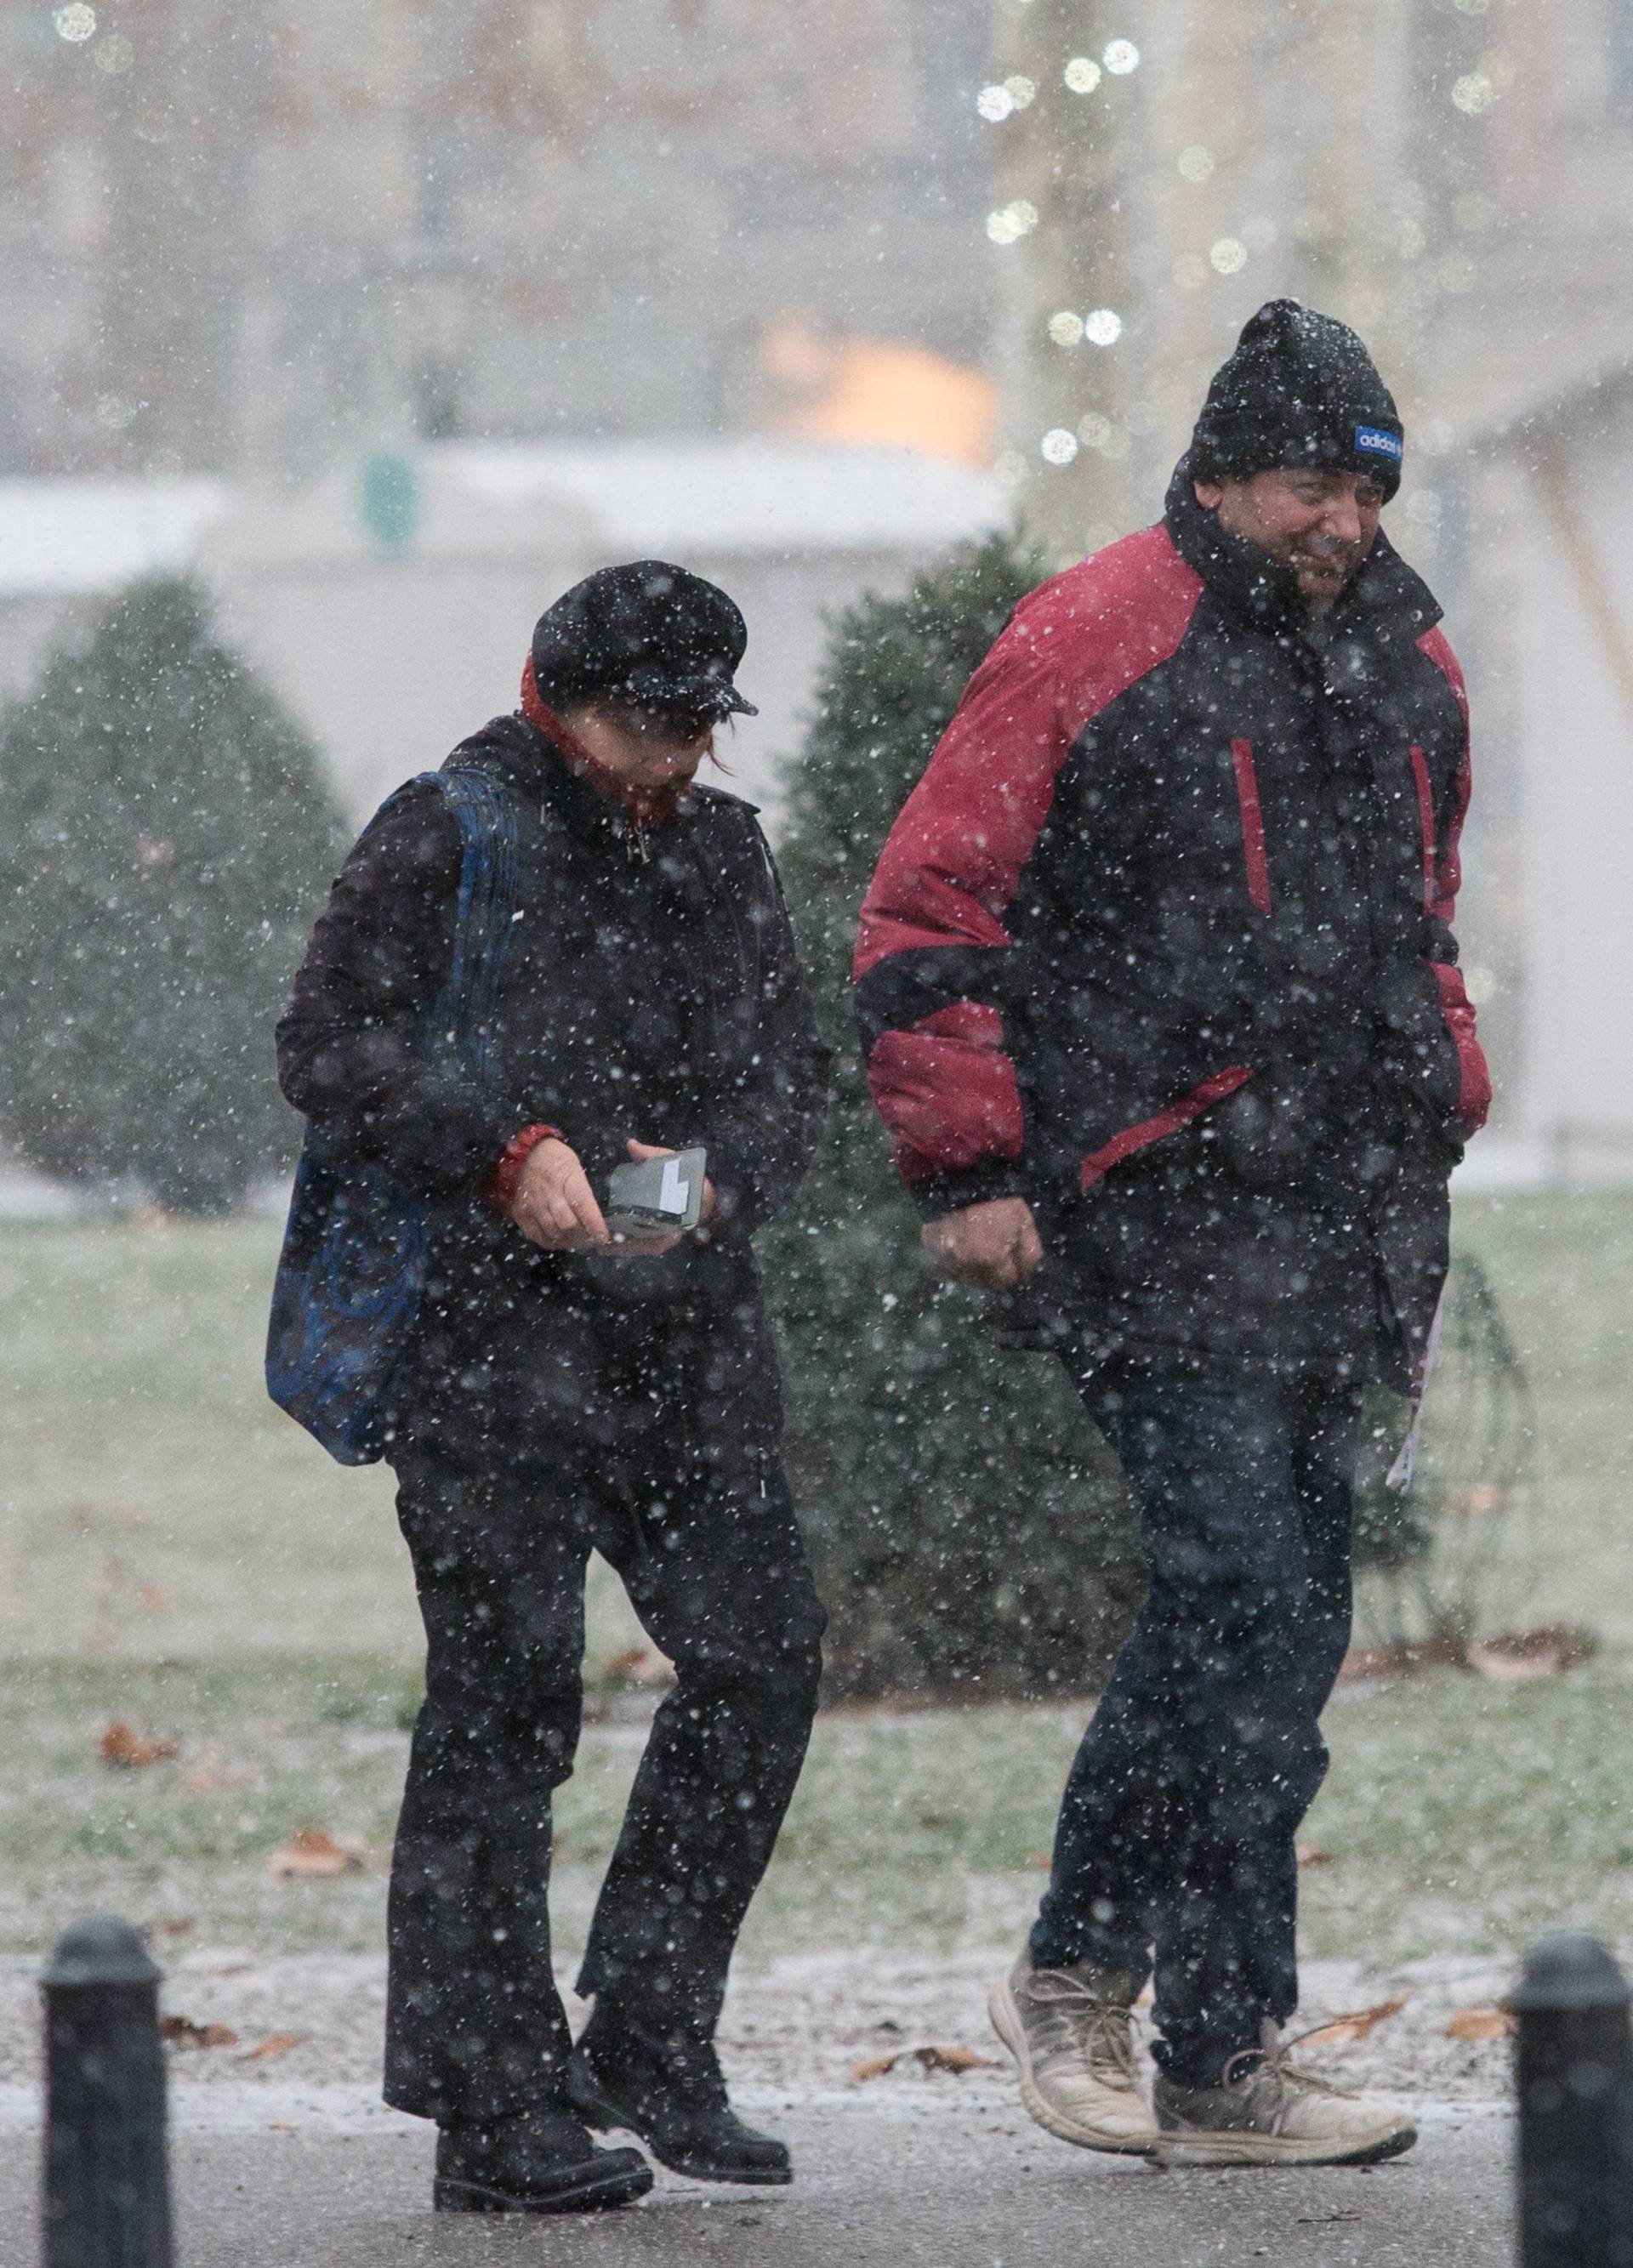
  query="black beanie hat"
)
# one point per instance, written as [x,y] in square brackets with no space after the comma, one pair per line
[1300,389]
[647,632]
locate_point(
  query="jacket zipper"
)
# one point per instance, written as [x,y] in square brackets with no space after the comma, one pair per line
[1426,815]
[1252,825]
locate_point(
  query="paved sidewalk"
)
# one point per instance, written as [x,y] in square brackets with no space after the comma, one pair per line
[923,2180]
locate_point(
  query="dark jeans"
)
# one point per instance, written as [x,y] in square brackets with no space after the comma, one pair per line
[702,1532]
[1176,1832]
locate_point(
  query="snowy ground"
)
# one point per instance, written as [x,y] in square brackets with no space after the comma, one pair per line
[794,2032]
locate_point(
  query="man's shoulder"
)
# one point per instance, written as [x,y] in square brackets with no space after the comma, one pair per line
[1436,646]
[1106,621]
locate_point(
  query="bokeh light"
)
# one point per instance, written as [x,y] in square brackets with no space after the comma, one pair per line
[1059,446]
[1103,327]
[1065,328]
[1474,93]
[1196,164]
[76,24]
[994,104]
[1120,57]
[1011,222]
[1228,257]
[1082,75]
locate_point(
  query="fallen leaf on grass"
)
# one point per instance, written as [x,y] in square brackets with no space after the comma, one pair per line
[311,1853]
[182,2032]
[276,2043]
[130,1750]
[1481,2024]
[641,1665]
[1359,2024]
[1402,1659]
[1545,1653]
[1309,1854]
[951,2059]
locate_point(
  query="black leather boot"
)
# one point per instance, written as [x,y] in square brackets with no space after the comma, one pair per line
[672,2095]
[543,2161]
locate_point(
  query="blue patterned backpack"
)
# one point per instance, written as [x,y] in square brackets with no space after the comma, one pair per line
[352,1269]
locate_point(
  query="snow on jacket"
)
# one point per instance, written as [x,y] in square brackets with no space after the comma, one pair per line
[1161,940]
[655,996]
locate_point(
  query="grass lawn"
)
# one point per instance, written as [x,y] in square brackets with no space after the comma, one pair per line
[152,1502]
[175,1552]
[1460,1816]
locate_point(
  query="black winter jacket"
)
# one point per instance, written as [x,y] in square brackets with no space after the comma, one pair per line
[1161,940]
[656,997]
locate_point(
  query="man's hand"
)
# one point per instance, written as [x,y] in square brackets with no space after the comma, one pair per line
[994,1245]
[555,1206]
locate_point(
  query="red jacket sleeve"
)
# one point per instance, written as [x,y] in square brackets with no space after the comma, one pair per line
[1442,880]
[933,936]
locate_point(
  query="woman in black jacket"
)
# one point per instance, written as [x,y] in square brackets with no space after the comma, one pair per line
[562,1390]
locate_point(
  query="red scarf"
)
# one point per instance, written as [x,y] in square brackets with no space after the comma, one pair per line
[647,806]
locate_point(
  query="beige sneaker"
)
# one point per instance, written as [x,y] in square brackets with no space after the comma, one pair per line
[1274,2114]
[1071,2032]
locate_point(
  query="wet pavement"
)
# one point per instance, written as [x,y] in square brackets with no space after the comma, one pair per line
[922,2180]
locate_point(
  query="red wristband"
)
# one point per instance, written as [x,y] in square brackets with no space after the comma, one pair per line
[499,1187]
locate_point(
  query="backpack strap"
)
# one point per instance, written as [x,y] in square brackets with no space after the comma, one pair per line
[484,913]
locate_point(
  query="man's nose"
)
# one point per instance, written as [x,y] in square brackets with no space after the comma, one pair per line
[1341,520]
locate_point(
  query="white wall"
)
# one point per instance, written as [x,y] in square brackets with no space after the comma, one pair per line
[388,664]
[1578,803]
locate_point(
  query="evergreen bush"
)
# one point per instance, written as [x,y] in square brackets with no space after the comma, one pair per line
[166,833]
[968,1525]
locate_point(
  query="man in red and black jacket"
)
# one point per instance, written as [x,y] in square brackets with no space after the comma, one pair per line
[1161,1007]
[564,1392]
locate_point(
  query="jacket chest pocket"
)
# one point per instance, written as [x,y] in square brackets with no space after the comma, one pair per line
[1253,859]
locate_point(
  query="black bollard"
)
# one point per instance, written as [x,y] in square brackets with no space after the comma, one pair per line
[106,2198]
[1575,2074]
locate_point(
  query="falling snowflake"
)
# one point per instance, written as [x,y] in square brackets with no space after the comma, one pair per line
[994,104]
[1229,256]
[1196,164]
[1065,328]
[1082,75]
[1121,58]
[1104,326]
[74,23]
[1021,91]
[1059,446]
[1474,93]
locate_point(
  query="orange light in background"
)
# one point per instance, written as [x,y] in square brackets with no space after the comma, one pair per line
[879,391]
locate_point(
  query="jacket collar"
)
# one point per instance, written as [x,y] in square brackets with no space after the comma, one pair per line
[1385,599]
[530,763]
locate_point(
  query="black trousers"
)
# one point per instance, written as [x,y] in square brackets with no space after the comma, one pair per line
[1177,1829]
[694,1514]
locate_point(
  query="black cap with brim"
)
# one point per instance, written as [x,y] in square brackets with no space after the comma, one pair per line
[649,633]
[703,694]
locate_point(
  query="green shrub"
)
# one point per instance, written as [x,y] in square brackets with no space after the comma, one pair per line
[968,1524]
[166,833]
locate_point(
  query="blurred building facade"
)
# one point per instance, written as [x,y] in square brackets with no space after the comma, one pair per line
[250,240]
[263,248]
